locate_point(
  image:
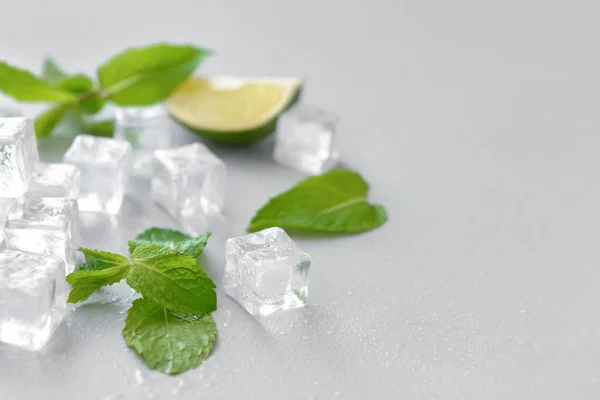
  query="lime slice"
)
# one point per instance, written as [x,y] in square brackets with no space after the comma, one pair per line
[233,110]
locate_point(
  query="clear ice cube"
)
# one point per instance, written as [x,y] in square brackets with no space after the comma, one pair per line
[188,180]
[55,180]
[5,206]
[147,129]
[305,140]
[44,226]
[104,165]
[18,155]
[10,112]
[32,298]
[266,272]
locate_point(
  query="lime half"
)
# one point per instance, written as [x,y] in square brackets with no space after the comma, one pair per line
[233,110]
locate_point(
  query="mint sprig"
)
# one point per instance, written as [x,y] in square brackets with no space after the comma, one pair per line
[170,327]
[335,201]
[135,77]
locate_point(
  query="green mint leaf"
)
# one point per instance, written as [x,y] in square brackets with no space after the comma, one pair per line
[194,246]
[51,72]
[103,128]
[175,281]
[96,260]
[91,102]
[86,282]
[332,202]
[168,342]
[146,75]
[76,84]
[174,240]
[24,86]
[49,119]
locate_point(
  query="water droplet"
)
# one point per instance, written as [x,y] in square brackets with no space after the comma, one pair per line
[304,337]
[338,394]
[139,377]
[178,388]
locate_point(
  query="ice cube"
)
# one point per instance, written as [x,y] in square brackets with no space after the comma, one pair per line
[5,206]
[10,112]
[104,165]
[18,155]
[32,298]
[55,180]
[305,140]
[188,180]
[147,129]
[266,272]
[44,226]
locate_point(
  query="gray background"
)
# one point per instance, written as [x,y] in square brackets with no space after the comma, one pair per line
[477,125]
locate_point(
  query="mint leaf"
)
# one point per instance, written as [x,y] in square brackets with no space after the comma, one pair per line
[103,128]
[49,119]
[332,202]
[51,72]
[175,281]
[174,240]
[86,282]
[91,102]
[96,260]
[76,84]
[146,75]
[168,342]
[23,86]
[101,268]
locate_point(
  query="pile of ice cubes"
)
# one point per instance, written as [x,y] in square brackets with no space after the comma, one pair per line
[40,203]
[38,235]
[266,271]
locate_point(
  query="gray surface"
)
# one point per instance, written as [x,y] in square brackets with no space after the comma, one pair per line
[476,123]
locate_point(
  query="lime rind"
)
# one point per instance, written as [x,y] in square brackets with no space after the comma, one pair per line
[253,133]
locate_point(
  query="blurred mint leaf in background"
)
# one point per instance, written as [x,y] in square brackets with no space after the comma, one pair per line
[137,77]
[51,72]
[49,119]
[146,75]
[23,86]
[103,128]
[76,84]
[91,101]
